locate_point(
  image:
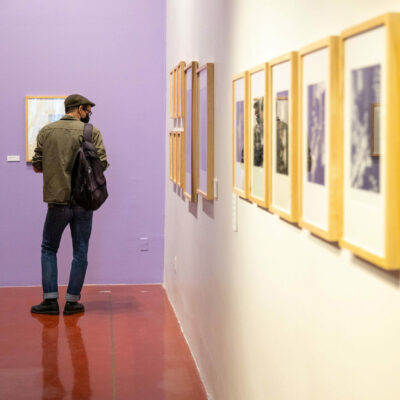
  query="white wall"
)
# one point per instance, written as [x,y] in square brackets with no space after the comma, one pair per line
[270,311]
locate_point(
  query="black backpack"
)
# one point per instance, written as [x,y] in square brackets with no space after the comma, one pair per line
[88,185]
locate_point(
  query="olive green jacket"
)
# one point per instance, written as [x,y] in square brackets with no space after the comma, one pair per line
[57,146]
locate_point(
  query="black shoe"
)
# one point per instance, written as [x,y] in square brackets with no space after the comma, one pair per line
[73,307]
[48,306]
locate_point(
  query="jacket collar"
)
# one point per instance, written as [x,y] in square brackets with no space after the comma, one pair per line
[70,117]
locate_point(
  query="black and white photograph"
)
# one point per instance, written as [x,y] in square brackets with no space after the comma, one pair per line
[376,121]
[316,133]
[258,131]
[282,132]
[365,93]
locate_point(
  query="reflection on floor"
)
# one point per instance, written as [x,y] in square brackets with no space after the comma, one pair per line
[127,345]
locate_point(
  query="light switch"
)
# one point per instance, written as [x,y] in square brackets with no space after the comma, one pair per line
[13,159]
[216,189]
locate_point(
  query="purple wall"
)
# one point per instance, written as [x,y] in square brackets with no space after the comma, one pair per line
[113,53]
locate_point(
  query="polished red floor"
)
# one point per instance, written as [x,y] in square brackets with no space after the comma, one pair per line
[126,346]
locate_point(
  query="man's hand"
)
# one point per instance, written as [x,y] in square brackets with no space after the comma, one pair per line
[38,171]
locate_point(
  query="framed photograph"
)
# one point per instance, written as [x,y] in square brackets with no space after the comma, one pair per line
[179,158]
[171,156]
[282,122]
[174,165]
[205,81]
[319,143]
[190,161]
[240,111]
[40,111]
[171,94]
[175,106]
[181,89]
[371,146]
[258,149]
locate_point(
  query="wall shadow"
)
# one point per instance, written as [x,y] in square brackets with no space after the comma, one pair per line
[208,207]
[390,277]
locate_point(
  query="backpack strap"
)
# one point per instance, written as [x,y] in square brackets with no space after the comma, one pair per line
[87,133]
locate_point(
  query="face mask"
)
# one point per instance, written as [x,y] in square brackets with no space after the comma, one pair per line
[86,119]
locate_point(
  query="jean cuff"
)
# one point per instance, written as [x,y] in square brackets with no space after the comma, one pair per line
[72,297]
[50,295]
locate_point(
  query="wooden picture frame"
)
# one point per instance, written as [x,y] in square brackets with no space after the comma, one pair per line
[174,166]
[171,94]
[257,130]
[39,111]
[190,159]
[240,140]
[179,135]
[205,106]
[371,190]
[282,133]
[319,144]
[171,156]
[181,89]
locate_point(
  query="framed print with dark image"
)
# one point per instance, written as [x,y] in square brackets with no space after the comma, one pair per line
[258,107]
[371,148]
[240,134]
[282,190]
[319,143]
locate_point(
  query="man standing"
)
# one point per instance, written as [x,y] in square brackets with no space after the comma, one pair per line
[57,145]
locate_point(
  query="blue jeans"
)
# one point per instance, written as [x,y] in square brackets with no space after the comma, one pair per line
[80,222]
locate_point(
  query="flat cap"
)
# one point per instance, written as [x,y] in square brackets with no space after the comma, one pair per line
[76,100]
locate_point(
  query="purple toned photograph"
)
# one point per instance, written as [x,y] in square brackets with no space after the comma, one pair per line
[365,93]
[316,133]
[282,132]
[188,135]
[203,128]
[240,131]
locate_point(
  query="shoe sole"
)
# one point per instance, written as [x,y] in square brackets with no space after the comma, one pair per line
[46,312]
[73,312]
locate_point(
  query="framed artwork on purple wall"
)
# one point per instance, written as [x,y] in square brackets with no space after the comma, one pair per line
[240,134]
[190,160]
[40,111]
[283,179]
[319,143]
[258,148]
[205,83]
[371,142]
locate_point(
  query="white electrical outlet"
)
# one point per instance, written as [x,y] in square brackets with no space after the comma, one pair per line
[13,159]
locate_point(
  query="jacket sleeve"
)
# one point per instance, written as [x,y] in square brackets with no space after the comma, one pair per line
[38,156]
[101,150]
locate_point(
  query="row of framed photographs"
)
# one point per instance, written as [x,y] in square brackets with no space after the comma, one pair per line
[191,150]
[316,138]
